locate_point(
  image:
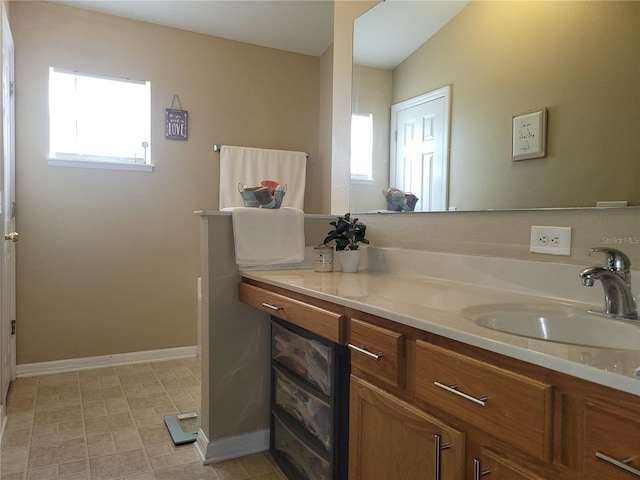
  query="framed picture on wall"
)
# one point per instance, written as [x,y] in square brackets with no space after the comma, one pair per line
[530,135]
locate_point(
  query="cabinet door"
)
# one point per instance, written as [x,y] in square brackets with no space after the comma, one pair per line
[390,439]
[498,468]
[612,443]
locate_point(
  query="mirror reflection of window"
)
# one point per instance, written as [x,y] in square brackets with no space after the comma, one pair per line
[361,147]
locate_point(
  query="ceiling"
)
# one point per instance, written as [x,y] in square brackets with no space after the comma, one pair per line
[390,32]
[301,26]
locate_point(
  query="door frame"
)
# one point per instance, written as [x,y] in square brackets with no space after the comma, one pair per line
[7,260]
[443,92]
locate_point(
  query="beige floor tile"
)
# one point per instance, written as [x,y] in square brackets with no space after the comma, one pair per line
[102,394]
[17,439]
[99,445]
[14,476]
[108,423]
[73,468]
[56,453]
[58,415]
[14,459]
[128,440]
[44,473]
[270,476]
[58,437]
[94,409]
[180,457]
[232,471]
[119,465]
[192,471]
[154,435]
[21,405]
[257,464]
[19,421]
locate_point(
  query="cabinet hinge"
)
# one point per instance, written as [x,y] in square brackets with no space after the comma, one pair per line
[13,327]
[12,87]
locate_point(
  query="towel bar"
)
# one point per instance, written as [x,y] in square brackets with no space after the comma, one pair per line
[217,147]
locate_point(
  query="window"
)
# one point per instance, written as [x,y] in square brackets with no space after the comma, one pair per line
[97,121]
[362,147]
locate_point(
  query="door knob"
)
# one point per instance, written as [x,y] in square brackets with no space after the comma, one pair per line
[13,236]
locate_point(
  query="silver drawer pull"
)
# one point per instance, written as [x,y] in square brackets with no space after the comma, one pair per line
[363,349]
[478,473]
[272,307]
[438,455]
[482,401]
[621,464]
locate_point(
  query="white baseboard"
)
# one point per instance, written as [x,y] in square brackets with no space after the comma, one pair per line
[3,424]
[231,447]
[73,364]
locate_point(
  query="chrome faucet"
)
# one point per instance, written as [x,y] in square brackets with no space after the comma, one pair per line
[615,278]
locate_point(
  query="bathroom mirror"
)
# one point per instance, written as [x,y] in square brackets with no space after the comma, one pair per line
[577,61]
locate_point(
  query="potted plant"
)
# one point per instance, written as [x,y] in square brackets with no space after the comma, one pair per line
[347,234]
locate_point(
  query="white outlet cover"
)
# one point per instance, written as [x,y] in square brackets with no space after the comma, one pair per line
[561,247]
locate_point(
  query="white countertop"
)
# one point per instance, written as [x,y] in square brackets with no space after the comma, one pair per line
[436,305]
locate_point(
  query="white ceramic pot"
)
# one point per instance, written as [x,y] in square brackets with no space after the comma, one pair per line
[323,259]
[349,260]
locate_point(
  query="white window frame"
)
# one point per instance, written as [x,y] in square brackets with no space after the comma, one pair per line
[90,159]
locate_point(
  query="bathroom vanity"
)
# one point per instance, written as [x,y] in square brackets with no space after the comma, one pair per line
[435,395]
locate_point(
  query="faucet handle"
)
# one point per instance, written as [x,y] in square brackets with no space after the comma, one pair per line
[616,260]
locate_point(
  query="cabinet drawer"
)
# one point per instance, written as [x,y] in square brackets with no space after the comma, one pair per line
[311,412]
[377,351]
[322,322]
[309,359]
[307,463]
[612,443]
[513,408]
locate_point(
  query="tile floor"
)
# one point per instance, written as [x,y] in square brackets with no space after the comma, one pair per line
[107,424]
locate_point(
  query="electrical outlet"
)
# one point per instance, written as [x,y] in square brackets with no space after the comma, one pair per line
[551,240]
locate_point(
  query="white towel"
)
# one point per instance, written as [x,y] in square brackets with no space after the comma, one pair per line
[265,236]
[250,166]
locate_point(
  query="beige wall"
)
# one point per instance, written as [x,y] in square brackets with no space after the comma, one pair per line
[578,59]
[108,260]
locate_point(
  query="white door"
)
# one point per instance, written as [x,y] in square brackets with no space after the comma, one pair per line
[419,156]
[7,262]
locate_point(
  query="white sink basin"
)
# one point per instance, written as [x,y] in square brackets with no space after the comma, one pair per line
[557,324]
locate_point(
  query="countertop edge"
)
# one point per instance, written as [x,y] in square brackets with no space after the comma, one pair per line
[585,372]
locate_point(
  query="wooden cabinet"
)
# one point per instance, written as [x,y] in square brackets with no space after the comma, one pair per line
[612,443]
[421,404]
[499,468]
[512,407]
[378,352]
[391,439]
[322,322]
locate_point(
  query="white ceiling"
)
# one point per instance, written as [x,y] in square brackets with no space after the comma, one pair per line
[395,27]
[302,26]
[390,32]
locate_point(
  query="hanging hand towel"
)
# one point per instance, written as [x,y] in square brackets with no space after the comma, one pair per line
[268,236]
[250,166]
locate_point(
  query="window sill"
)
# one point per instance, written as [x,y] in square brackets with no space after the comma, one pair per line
[362,181]
[133,167]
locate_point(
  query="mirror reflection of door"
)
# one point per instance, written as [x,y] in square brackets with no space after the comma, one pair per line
[419,149]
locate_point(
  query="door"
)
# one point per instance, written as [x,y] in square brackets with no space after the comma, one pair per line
[419,155]
[7,262]
[391,439]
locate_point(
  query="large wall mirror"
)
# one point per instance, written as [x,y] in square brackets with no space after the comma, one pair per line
[579,61]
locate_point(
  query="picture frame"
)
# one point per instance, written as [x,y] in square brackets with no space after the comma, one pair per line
[529,135]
